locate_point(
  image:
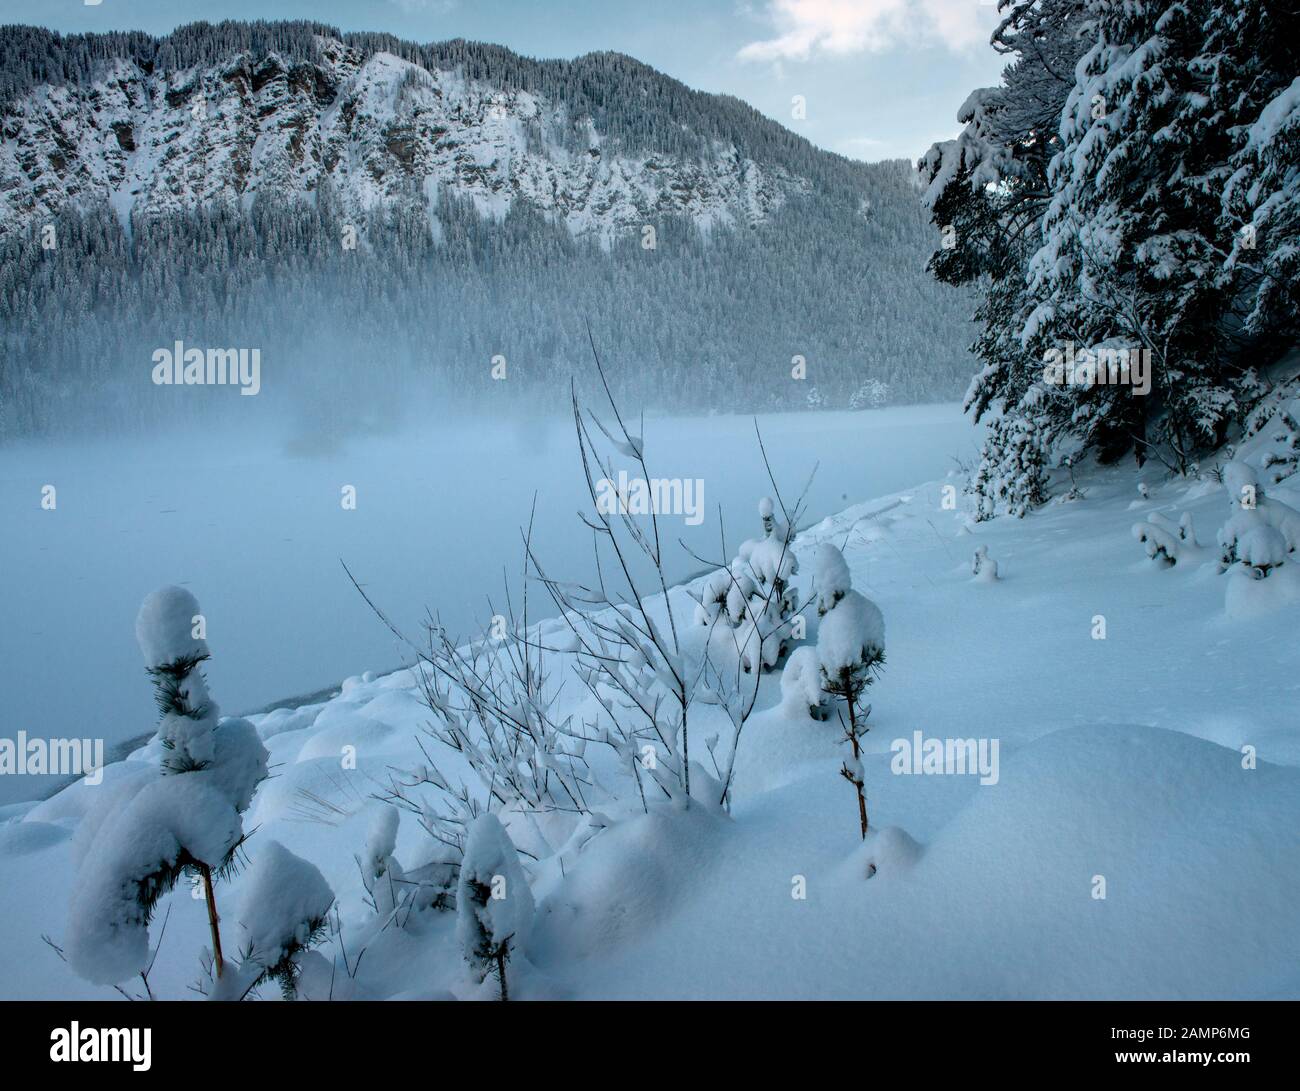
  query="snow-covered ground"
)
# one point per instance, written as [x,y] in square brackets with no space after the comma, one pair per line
[1139,835]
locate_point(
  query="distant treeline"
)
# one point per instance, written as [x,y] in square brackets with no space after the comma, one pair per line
[426,301]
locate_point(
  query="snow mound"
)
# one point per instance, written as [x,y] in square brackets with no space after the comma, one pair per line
[626,881]
[20,838]
[884,852]
[1197,854]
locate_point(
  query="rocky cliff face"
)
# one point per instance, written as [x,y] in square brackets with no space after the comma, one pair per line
[378,127]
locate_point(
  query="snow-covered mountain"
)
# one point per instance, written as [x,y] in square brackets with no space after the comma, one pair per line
[328,197]
[380,128]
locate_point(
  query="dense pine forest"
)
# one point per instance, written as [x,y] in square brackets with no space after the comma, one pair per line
[1132,185]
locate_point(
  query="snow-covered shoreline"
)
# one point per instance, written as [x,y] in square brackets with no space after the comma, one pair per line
[1123,773]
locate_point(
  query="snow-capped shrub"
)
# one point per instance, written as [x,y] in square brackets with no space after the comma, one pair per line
[772,563]
[494,906]
[284,909]
[891,850]
[171,824]
[1161,545]
[713,597]
[801,685]
[758,639]
[381,874]
[1260,526]
[757,597]
[1250,539]
[984,568]
[191,730]
[1241,484]
[742,589]
[1267,511]
[1262,548]
[433,879]
[831,577]
[772,526]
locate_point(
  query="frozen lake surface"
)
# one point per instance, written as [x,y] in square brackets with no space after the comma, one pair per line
[257,533]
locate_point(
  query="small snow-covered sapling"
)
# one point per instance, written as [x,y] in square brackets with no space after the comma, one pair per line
[143,845]
[1250,539]
[1075,492]
[171,632]
[983,567]
[1160,543]
[285,909]
[712,603]
[760,600]
[380,872]
[1164,539]
[1252,509]
[494,907]
[850,652]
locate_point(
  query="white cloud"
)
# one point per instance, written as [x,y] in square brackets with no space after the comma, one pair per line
[858,146]
[437,7]
[806,28]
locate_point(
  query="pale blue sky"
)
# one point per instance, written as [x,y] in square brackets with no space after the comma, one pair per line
[881,78]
